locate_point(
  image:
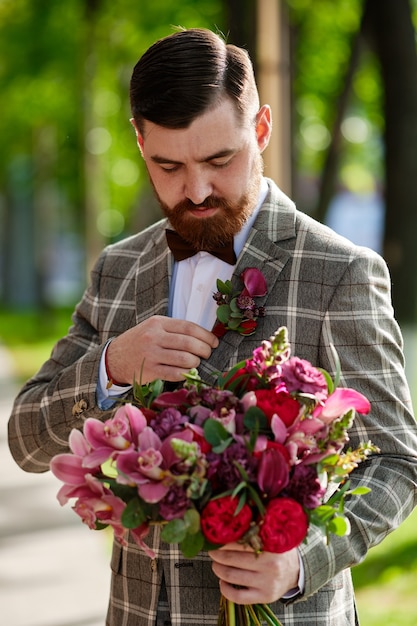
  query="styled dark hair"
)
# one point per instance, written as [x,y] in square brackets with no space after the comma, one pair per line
[183,75]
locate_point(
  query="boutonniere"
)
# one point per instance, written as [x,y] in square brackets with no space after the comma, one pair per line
[238,311]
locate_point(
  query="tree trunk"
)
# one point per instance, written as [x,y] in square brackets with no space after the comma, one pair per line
[390,28]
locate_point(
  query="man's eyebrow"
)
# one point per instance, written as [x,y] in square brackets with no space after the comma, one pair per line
[218,155]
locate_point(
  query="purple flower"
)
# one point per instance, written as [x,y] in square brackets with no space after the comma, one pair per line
[305,487]
[299,375]
[167,422]
[222,467]
[174,504]
[245,302]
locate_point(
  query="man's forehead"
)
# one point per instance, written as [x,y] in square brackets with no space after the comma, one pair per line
[212,135]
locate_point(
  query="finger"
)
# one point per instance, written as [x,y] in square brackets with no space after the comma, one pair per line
[190,329]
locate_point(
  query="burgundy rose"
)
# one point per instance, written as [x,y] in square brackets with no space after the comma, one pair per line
[221,524]
[278,403]
[284,525]
[300,375]
[219,329]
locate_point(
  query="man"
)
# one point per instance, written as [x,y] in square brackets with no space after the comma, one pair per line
[201,133]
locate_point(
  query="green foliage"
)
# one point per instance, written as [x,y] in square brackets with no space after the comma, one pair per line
[323,34]
[65,69]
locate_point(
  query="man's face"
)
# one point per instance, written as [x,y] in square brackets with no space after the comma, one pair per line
[207,176]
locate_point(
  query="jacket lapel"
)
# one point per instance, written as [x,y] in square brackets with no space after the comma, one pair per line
[153,275]
[264,249]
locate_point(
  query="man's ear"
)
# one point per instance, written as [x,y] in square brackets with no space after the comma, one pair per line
[263,126]
[139,136]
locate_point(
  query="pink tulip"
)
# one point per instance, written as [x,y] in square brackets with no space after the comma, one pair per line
[273,474]
[339,403]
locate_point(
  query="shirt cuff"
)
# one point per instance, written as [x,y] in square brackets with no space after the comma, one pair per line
[296,591]
[106,397]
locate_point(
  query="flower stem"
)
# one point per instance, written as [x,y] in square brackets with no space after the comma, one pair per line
[267,615]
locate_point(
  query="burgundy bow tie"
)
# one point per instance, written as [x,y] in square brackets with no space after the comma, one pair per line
[181,249]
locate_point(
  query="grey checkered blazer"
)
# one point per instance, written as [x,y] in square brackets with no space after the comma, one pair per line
[326,291]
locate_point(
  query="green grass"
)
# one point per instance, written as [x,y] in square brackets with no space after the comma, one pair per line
[385,582]
[30,335]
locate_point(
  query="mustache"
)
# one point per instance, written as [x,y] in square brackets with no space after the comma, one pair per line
[211,202]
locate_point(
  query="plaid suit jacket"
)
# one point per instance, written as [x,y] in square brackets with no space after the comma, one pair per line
[326,291]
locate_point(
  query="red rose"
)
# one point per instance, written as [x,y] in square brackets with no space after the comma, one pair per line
[241,381]
[284,525]
[221,524]
[278,403]
[247,327]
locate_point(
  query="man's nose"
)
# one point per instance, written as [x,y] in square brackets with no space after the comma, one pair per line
[197,188]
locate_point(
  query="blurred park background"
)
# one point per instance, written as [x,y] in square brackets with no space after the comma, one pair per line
[341,77]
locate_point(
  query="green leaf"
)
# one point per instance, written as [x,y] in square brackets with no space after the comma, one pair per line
[134,514]
[192,544]
[234,307]
[339,526]
[255,497]
[329,380]
[192,521]
[174,532]
[214,432]
[359,491]
[224,287]
[223,313]
[338,368]
[322,514]
[254,418]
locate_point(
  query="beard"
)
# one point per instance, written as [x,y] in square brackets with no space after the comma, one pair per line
[211,232]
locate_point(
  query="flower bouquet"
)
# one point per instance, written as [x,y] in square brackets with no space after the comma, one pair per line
[256,458]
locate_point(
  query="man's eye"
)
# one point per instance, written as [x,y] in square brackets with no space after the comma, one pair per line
[169,168]
[220,164]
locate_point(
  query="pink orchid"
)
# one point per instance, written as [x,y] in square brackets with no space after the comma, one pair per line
[139,467]
[138,534]
[254,281]
[69,467]
[98,504]
[115,435]
[300,445]
[279,429]
[339,403]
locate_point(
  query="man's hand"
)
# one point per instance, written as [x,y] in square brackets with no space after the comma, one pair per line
[160,347]
[265,577]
